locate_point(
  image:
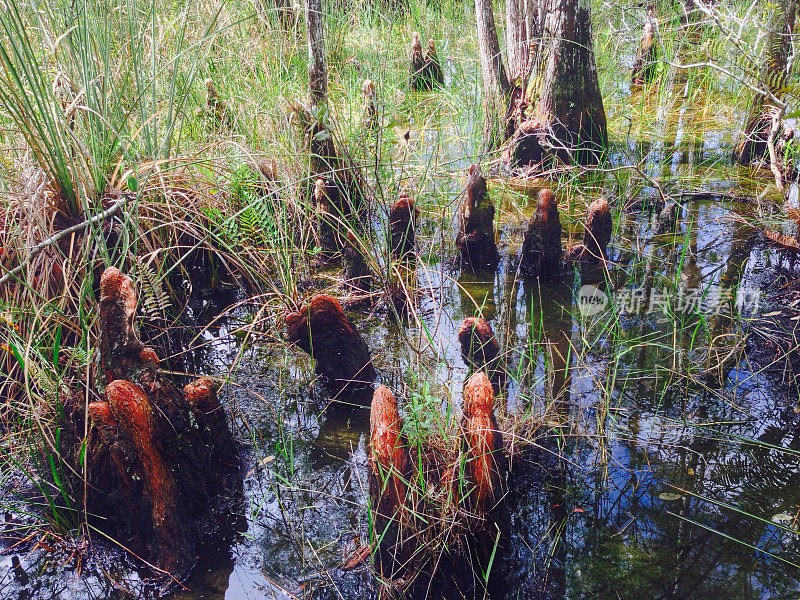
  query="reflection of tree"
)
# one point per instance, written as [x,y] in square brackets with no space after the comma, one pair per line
[548,347]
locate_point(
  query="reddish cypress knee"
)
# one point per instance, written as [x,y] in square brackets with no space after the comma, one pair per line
[389,469]
[389,461]
[159,459]
[323,331]
[483,444]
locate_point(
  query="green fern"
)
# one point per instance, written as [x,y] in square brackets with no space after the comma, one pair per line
[154,300]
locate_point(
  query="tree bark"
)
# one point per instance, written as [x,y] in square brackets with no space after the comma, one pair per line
[521,19]
[774,73]
[317,70]
[570,103]
[496,87]
[569,121]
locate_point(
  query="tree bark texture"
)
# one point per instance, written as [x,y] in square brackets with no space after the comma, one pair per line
[317,69]
[569,121]
[496,87]
[521,31]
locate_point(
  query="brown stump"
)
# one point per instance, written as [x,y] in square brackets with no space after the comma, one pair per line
[389,469]
[333,212]
[475,239]
[644,65]
[417,65]
[596,234]
[541,247]
[356,271]
[432,69]
[480,349]
[402,227]
[486,464]
[159,460]
[370,118]
[322,330]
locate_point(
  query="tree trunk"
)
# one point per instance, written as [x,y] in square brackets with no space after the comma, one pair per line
[521,19]
[753,147]
[569,121]
[317,71]
[569,101]
[496,87]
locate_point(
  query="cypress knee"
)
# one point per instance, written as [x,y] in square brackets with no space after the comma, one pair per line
[475,240]
[160,461]
[479,347]
[486,465]
[417,65]
[596,234]
[322,330]
[402,226]
[541,247]
[389,469]
[432,69]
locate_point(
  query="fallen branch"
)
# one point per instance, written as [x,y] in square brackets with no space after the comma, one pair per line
[54,239]
[773,154]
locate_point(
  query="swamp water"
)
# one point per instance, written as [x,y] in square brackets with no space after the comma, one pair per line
[665,462]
